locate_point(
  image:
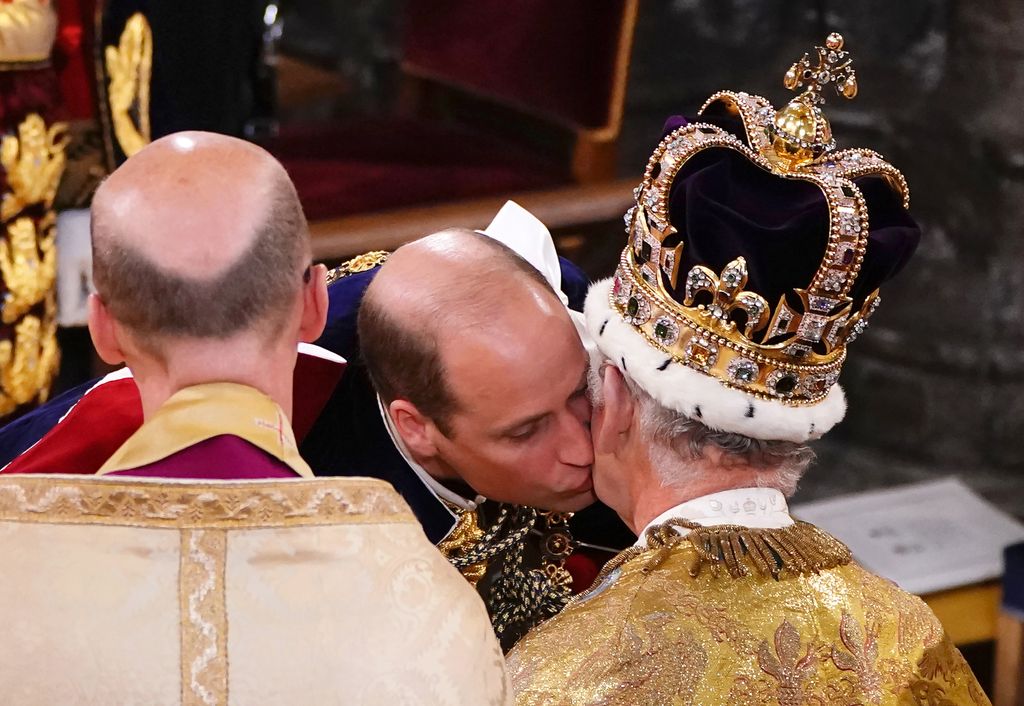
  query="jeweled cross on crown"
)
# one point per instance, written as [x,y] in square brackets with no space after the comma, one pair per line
[835,66]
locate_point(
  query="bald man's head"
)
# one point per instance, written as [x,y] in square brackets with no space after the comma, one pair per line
[453,281]
[198,235]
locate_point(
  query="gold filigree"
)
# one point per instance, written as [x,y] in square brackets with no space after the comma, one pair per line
[28,264]
[464,537]
[204,620]
[117,502]
[727,298]
[33,161]
[360,263]
[129,67]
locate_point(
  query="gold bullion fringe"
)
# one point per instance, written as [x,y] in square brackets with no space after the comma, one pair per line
[800,548]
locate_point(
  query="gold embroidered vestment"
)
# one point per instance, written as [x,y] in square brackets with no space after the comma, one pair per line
[671,626]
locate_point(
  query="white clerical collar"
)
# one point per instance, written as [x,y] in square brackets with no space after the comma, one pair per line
[763,508]
[428,480]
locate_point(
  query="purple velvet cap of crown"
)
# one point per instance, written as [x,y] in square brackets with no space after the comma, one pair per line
[724,206]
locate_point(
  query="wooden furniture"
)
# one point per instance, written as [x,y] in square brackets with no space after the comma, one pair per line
[568,208]
[499,100]
[1009,671]
[969,613]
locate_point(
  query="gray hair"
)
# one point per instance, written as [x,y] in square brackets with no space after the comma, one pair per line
[677,442]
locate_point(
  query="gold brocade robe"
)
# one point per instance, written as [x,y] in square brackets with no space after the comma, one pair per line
[655,633]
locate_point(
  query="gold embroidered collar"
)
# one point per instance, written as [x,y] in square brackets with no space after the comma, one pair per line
[200,412]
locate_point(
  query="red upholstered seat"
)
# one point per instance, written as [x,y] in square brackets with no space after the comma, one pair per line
[371,165]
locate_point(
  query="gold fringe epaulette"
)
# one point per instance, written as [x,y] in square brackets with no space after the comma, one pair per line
[800,548]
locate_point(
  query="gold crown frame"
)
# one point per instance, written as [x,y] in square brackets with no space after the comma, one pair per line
[791,354]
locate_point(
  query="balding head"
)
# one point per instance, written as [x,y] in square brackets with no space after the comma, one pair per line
[429,292]
[481,369]
[198,235]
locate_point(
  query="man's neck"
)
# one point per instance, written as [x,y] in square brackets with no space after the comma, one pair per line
[651,497]
[271,374]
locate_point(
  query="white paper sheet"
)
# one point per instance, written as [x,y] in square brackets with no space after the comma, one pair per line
[926,537]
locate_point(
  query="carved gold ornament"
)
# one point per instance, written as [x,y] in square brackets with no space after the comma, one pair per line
[129,68]
[28,264]
[28,365]
[361,263]
[33,161]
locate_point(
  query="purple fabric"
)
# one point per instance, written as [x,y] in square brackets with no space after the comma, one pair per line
[222,457]
[724,206]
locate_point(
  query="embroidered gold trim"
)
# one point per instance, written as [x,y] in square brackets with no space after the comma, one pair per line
[360,263]
[204,620]
[210,505]
[800,548]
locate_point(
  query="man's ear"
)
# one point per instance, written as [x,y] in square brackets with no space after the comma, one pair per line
[314,305]
[416,430]
[103,331]
[615,417]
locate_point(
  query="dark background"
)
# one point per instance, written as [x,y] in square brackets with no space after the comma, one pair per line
[935,385]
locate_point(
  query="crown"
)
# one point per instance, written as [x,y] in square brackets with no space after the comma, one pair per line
[791,353]
[27,32]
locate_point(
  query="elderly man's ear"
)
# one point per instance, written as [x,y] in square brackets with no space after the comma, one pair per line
[612,420]
[105,332]
[314,305]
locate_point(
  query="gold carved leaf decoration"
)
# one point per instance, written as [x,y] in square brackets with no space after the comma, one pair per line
[28,264]
[33,161]
[129,68]
[28,364]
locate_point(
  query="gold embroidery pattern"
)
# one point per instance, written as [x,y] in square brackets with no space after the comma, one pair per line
[129,66]
[860,655]
[33,161]
[204,622]
[785,664]
[222,505]
[796,638]
[360,263]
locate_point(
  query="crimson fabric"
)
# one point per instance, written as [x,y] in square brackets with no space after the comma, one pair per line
[583,569]
[223,457]
[108,414]
[555,58]
[91,432]
[28,91]
[724,206]
[73,57]
[371,165]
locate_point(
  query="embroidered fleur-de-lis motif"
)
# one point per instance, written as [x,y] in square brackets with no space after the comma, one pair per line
[727,297]
[786,664]
[860,655]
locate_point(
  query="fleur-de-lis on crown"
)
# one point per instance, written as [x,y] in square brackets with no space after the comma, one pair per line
[835,66]
[727,297]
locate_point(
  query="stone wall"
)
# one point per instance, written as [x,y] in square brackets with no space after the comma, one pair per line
[936,386]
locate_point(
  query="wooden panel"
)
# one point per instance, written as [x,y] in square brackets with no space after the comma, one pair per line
[968,613]
[568,207]
[1009,676]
